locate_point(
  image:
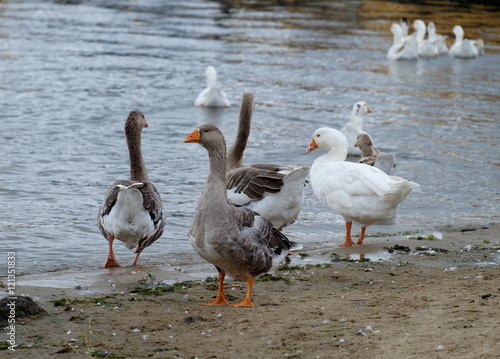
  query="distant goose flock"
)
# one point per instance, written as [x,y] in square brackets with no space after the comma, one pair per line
[414,46]
[242,208]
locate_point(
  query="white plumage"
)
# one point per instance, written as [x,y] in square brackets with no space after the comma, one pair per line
[403,48]
[354,127]
[281,208]
[128,220]
[438,39]
[426,48]
[358,192]
[465,48]
[213,95]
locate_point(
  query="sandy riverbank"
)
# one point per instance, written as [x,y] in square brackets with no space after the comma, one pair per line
[416,302]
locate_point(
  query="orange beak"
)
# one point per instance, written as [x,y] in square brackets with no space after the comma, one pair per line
[193,137]
[312,146]
[368,109]
[146,125]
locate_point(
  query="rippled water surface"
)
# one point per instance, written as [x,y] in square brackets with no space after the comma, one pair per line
[71,71]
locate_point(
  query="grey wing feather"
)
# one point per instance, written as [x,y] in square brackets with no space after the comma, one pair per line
[262,231]
[151,201]
[254,182]
[109,202]
[368,160]
[267,166]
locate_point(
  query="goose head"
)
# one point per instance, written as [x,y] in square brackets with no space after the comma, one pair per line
[329,139]
[365,143]
[360,109]
[135,122]
[208,136]
[419,27]
[459,33]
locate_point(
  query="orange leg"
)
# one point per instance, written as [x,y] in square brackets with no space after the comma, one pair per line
[246,302]
[136,256]
[221,297]
[111,261]
[348,240]
[361,236]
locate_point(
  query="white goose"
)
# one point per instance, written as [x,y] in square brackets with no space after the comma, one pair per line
[402,48]
[465,48]
[356,191]
[354,127]
[132,211]
[275,192]
[213,95]
[426,48]
[438,39]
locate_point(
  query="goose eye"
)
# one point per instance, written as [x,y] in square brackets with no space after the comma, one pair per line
[205,131]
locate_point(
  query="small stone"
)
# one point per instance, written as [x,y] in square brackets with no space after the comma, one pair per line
[193,318]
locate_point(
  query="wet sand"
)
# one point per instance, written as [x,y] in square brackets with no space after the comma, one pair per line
[393,297]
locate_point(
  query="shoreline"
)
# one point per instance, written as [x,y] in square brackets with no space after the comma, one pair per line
[96,281]
[429,302]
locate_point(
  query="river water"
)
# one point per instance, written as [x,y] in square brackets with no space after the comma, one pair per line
[71,71]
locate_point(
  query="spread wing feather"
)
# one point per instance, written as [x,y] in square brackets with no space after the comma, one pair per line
[254,182]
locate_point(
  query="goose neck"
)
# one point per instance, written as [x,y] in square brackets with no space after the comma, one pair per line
[138,170]
[217,175]
[235,153]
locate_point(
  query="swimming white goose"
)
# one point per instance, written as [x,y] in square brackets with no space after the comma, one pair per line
[438,39]
[357,192]
[275,192]
[213,95]
[236,240]
[354,127]
[373,157]
[132,211]
[426,48]
[465,48]
[402,48]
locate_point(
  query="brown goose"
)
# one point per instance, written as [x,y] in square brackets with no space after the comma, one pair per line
[236,240]
[373,157]
[132,211]
[276,192]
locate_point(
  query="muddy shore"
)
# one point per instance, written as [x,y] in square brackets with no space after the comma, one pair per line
[395,297]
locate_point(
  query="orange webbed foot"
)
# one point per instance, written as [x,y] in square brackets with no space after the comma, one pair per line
[217,301]
[111,263]
[347,244]
[244,303]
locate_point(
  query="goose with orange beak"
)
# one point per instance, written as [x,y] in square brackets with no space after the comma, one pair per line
[354,127]
[236,240]
[356,191]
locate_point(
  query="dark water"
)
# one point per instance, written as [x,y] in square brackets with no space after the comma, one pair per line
[71,71]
